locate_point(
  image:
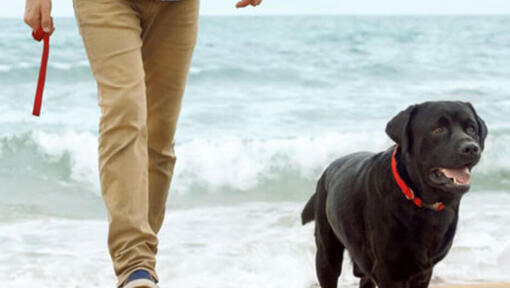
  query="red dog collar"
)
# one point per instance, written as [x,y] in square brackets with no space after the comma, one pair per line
[406,190]
[39,35]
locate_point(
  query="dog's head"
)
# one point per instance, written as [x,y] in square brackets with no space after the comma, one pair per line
[439,144]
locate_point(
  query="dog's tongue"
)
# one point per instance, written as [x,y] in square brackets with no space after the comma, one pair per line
[461,176]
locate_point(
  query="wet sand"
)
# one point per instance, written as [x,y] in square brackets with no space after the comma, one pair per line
[481,285]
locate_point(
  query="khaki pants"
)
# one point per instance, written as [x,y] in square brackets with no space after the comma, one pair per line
[139,53]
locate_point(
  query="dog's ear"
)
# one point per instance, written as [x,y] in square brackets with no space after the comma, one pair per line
[482,128]
[398,128]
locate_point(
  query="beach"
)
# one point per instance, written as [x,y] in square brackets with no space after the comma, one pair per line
[270,102]
[481,285]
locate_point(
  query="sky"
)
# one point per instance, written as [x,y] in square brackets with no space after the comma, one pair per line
[15,8]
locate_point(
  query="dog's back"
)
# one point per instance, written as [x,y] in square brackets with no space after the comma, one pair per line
[344,166]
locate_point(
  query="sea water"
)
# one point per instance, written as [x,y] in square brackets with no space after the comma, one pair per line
[270,102]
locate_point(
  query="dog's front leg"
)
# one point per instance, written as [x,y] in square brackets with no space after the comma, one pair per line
[384,280]
[421,280]
[393,284]
[365,281]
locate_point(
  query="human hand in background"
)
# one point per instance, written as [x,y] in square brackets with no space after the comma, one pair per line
[244,3]
[38,14]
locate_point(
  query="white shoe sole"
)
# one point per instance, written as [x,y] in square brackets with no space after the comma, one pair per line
[141,283]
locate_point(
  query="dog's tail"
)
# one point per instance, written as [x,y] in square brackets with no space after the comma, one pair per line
[308,213]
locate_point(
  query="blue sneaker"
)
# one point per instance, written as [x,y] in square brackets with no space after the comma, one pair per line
[140,279]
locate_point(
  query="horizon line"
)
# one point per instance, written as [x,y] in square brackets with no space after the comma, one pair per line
[318,14]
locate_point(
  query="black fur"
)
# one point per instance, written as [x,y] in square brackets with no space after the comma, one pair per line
[358,206]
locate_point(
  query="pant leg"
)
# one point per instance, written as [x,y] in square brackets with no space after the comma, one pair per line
[169,36]
[111,33]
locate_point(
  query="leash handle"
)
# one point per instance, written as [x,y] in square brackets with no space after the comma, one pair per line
[39,35]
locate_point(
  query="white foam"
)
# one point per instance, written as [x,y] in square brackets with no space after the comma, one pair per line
[61,65]
[23,64]
[81,147]
[68,65]
[496,156]
[250,245]
[5,68]
[53,64]
[195,70]
[242,164]
[479,251]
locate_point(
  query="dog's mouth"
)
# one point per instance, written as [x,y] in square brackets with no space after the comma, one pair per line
[451,179]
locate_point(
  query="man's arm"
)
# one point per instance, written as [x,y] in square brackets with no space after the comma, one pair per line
[244,3]
[38,14]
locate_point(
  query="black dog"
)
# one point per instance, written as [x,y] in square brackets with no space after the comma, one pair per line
[396,211]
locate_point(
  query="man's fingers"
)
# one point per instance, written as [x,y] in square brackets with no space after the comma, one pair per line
[33,18]
[243,3]
[52,27]
[46,24]
[46,21]
[33,22]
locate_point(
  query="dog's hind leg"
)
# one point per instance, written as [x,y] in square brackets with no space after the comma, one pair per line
[365,282]
[328,260]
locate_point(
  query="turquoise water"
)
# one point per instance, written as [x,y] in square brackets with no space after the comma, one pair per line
[270,102]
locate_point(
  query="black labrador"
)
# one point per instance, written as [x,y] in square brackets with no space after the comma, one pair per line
[396,211]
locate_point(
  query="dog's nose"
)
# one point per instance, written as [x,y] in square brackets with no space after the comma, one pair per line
[469,149]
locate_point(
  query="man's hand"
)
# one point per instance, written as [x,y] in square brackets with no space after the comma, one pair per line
[244,3]
[38,14]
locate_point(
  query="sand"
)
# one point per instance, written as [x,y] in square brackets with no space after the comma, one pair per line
[479,285]
[484,285]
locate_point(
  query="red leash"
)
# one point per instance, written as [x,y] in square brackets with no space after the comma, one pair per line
[39,35]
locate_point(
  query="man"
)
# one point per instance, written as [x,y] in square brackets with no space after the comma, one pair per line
[139,52]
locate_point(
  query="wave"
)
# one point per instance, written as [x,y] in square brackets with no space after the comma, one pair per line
[35,66]
[56,72]
[276,168]
[63,72]
[198,72]
[270,75]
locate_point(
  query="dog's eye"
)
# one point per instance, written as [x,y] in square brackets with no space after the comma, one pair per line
[438,130]
[471,130]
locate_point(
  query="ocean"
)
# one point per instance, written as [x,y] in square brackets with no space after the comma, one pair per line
[270,102]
